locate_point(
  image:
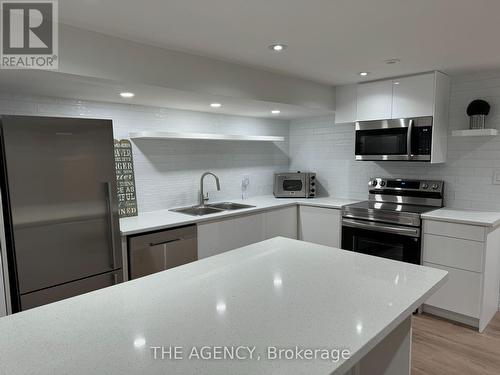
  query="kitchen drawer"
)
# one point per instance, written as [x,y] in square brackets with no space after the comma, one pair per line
[465,231]
[461,293]
[454,252]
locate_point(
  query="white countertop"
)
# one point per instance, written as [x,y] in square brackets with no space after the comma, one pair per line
[482,218]
[279,292]
[163,219]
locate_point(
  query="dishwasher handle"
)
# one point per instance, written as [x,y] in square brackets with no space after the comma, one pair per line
[164,242]
[162,237]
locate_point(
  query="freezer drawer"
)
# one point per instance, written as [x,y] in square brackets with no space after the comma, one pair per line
[160,251]
[60,292]
[63,252]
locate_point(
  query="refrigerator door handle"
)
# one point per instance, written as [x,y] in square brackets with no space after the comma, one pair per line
[111,223]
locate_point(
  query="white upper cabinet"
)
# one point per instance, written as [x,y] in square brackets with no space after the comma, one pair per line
[345,104]
[374,101]
[413,96]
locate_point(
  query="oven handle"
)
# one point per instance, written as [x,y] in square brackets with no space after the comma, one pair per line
[379,227]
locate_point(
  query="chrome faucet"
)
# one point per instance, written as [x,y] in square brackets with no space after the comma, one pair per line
[203,197]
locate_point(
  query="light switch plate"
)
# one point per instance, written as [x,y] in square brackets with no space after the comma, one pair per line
[496,178]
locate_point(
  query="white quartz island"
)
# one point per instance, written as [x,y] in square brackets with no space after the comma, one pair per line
[279,293]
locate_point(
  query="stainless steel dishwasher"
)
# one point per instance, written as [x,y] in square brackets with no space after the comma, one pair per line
[159,251]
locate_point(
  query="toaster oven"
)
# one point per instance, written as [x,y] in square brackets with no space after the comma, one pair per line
[295,185]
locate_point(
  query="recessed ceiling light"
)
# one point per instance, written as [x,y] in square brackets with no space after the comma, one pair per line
[364,74]
[215,105]
[392,61]
[278,47]
[396,83]
[275,111]
[127,94]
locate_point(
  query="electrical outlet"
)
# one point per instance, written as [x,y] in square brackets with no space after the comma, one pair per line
[245,181]
[496,178]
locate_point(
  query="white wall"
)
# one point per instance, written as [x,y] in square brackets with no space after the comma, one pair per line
[167,172]
[319,145]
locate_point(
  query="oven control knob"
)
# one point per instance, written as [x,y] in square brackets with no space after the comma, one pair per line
[312,184]
[374,183]
[313,177]
[312,190]
[425,186]
[382,183]
[434,186]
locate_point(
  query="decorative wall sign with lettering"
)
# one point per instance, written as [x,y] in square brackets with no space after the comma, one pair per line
[125,179]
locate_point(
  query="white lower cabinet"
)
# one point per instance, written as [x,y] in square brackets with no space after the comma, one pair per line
[281,222]
[320,225]
[228,234]
[460,294]
[231,233]
[313,224]
[471,255]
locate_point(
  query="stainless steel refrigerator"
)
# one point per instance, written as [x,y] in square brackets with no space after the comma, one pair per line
[61,232]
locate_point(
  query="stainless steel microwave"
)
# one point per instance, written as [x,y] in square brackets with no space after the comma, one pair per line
[295,185]
[397,139]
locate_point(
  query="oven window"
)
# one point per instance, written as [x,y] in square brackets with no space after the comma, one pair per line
[385,245]
[382,141]
[292,185]
[380,248]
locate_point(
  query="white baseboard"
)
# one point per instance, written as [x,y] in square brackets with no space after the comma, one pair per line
[449,315]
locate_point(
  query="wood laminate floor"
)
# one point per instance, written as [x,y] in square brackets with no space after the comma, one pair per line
[443,348]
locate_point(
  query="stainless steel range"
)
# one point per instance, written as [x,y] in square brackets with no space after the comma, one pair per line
[389,224]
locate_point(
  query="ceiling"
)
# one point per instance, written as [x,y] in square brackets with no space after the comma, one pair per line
[329,41]
[59,85]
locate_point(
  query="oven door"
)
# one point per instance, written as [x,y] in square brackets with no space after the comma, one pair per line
[383,240]
[383,140]
[290,185]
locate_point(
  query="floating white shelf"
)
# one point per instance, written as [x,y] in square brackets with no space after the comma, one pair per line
[475,133]
[205,136]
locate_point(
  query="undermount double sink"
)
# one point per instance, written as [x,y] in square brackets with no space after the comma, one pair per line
[211,208]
